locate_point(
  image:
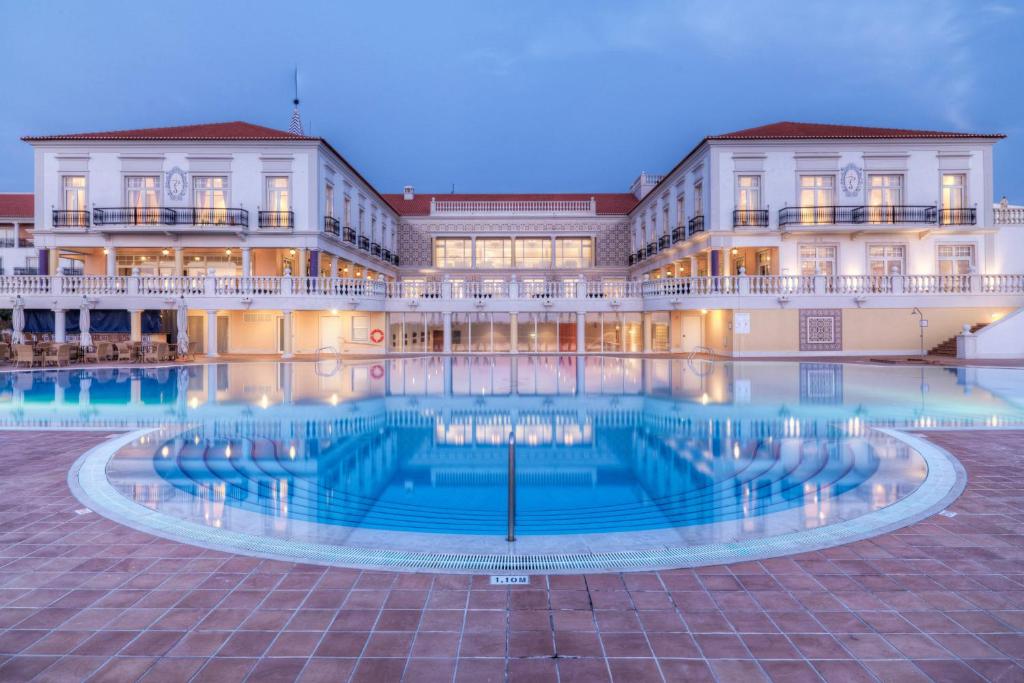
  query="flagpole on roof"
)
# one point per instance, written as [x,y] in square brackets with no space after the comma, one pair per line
[296,124]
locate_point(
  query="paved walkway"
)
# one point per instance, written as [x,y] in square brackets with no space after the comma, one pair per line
[83,598]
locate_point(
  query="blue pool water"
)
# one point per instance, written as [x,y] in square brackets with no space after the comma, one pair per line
[603,444]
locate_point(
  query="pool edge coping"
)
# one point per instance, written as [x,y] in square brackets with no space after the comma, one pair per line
[944,483]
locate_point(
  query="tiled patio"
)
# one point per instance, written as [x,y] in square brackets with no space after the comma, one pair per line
[84,598]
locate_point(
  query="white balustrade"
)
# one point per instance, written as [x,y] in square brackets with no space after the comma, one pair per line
[1010,215]
[477,207]
[24,284]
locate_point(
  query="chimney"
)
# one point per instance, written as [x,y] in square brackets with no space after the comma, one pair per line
[408,192]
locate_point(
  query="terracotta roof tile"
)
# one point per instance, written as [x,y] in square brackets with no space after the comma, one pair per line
[607,203]
[791,130]
[232,130]
[17,205]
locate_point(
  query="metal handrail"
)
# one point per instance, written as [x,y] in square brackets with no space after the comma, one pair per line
[511,535]
[693,353]
[337,362]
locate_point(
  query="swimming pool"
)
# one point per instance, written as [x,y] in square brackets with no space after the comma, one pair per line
[613,455]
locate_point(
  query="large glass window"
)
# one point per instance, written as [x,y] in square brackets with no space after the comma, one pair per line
[74,200]
[142,193]
[956,259]
[887,259]
[533,252]
[347,213]
[817,192]
[748,198]
[817,258]
[493,252]
[210,194]
[681,210]
[279,199]
[453,252]
[329,200]
[954,197]
[698,198]
[885,191]
[572,252]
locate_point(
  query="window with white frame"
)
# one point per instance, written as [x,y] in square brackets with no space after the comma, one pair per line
[698,198]
[493,252]
[360,328]
[574,252]
[681,210]
[887,259]
[74,200]
[279,201]
[885,193]
[954,198]
[142,193]
[817,194]
[533,252]
[664,218]
[362,221]
[764,262]
[955,259]
[817,259]
[347,213]
[329,200]
[748,199]
[453,252]
[210,197]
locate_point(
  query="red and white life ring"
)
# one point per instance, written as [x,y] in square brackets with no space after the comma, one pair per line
[377,371]
[377,335]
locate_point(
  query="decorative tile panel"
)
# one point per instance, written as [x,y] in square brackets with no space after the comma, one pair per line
[821,329]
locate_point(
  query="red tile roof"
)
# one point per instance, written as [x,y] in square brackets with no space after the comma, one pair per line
[231,130]
[790,130]
[607,203]
[17,205]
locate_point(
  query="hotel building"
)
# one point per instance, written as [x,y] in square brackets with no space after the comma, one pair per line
[784,240]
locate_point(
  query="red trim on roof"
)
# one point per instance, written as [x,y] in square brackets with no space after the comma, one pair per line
[17,205]
[231,130]
[618,204]
[791,130]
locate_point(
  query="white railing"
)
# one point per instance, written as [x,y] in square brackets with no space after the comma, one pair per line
[166,286]
[1008,215]
[475,207]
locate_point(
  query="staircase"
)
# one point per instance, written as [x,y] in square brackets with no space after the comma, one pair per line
[948,347]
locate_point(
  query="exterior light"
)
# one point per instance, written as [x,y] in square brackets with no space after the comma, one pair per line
[703,311]
[735,251]
[291,252]
[195,258]
[142,258]
[165,252]
[105,251]
[228,252]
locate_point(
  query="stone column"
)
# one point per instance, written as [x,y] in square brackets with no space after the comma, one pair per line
[302,258]
[513,333]
[179,261]
[246,262]
[288,353]
[334,266]
[59,331]
[447,316]
[211,334]
[581,331]
[136,327]
[111,260]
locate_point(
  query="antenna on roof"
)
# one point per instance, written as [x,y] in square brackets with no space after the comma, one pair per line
[453,188]
[296,124]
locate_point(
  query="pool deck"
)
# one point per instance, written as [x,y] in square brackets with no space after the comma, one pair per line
[84,598]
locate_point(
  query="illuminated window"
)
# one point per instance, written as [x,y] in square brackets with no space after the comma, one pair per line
[74,200]
[533,252]
[748,199]
[954,197]
[884,193]
[955,259]
[573,252]
[817,192]
[210,195]
[817,258]
[453,252]
[493,252]
[887,259]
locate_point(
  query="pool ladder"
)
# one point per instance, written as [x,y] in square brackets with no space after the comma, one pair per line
[337,362]
[511,535]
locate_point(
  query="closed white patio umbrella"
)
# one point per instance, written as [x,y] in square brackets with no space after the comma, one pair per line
[84,323]
[18,322]
[182,324]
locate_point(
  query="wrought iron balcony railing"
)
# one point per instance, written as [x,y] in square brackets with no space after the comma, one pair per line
[652,249]
[332,225]
[678,234]
[277,219]
[696,224]
[750,218]
[63,218]
[632,259]
[386,255]
[133,215]
[958,216]
[364,243]
[664,242]
[349,235]
[374,249]
[894,214]
[202,216]
[832,215]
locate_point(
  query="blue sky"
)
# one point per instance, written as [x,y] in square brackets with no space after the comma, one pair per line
[571,96]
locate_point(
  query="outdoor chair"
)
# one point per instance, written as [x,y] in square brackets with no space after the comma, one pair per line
[24,355]
[57,354]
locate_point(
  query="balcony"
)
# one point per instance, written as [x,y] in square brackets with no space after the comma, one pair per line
[958,216]
[750,218]
[678,234]
[349,235]
[70,219]
[632,260]
[857,215]
[332,225]
[652,249]
[211,217]
[364,243]
[374,249]
[640,255]
[385,254]
[130,215]
[154,215]
[277,219]
[664,242]
[696,224]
